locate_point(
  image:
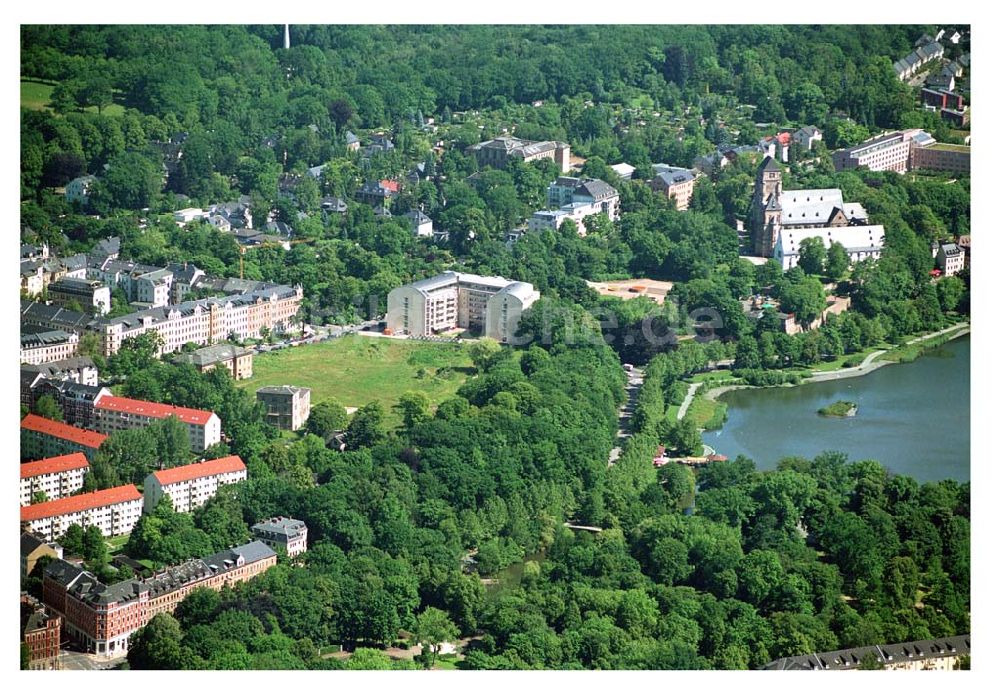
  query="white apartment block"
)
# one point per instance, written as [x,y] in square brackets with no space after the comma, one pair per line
[488,305]
[54,345]
[191,485]
[860,241]
[121,413]
[57,477]
[950,259]
[576,199]
[284,534]
[114,511]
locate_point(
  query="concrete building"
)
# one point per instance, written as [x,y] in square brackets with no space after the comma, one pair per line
[49,318]
[861,242]
[496,152]
[237,360]
[886,152]
[282,534]
[286,406]
[114,511]
[571,198]
[40,631]
[186,215]
[623,170]
[34,548]
[45,346]
[92,295]
[950,259]
[676,183]
[122,413]
[189,486]
[57,477]
[459,300]
[933,654]
[943,157]
[41,437]
[102,618]
[78,190]
[75,399]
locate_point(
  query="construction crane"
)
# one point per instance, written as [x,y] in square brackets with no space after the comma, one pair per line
[243,248]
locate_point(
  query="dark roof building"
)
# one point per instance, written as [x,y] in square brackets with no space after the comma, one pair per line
[933,654]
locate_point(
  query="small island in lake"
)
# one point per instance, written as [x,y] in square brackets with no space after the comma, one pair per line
[840,408]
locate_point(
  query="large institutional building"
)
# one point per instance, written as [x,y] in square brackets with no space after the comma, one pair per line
[191,485]
[114,511]
[910,149]
[102,618]
[571,198]
[122,413]
[491,306]
[497,152]
[780,220]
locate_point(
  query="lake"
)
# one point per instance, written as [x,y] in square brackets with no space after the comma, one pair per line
[913,418]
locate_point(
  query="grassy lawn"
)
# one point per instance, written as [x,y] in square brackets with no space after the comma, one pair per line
[706,413]
[36,94]
[724,375]
[448,662]
[838,363]
[357,370]
[672,411]
[116,543]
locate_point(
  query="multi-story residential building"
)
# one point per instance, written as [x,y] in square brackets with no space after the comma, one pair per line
[75,399]
[40,631]
[114,511]
[121,413]
[45,346]
[570,198]
[41,437]
[965,244]
[806,136]
[237,360]
[189,486]
[780,220]
[942,98]
[79,189]
[206,321]
[54,317]
[460,300]
[34,548]
[420,224]
[32,278]
[378,193]
[286,406]
[57,477]
[282,534]
[76,369]
[101,618]
[496,152]
[92,295]
[933,654]
[185,278]
[912,63]
[886,152]
[676,183]
[950,259]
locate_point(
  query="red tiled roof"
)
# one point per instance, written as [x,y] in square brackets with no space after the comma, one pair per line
[54,465]
[784,137]
[79,503]
[223,465]
[153,409]
[40,424]
[389,184]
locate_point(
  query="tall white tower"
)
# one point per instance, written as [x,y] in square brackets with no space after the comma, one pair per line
[288,38]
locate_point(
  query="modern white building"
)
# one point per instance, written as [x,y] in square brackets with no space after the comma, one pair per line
[460,300]
[191,485]
[283,534]
[57,477]
[860,241]
[121,413]
[114,511]
[576,199]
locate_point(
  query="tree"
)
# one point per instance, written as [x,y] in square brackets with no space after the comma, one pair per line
[132,181]
[157,646]
[366,427]
[38,497]
[326,418]
[415,407]
[48,407]
[837,261]
[483,353]
[72,540]
[812,255]
[433,628]
[949,292]
[95,550]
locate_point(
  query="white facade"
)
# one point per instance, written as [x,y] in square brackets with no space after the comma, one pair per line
[47,476]
[188,493]
[860,241]
[186,215]
[114,516]
[42,350]
[113,414]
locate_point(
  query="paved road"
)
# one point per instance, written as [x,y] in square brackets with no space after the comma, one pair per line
[692,388]
[635,378]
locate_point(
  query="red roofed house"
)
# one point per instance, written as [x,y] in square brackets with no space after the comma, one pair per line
[191,485]
[57,477]
[121,413]
[777,146]
[114,511]
[41,437]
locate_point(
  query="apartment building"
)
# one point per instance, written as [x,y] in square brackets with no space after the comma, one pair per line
[57,477]
[578,198]
[75,399]
[114,511]
[49,345]
[79,189]
[34,548]
[282,534]
[286,406]
[102,618]
[50,317]
[497,152]
[459,300]
[77,369]
[92,295]
[191,485]
[121,413]
[886,152]
[40,631]
[676,183]
[950,259]
[237,360]
[41,437]
[932,654]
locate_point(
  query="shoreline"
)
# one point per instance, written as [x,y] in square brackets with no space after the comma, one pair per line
[863,369]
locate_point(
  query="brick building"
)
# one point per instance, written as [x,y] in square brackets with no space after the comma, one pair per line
[189,486]
[40,631]
[114,511]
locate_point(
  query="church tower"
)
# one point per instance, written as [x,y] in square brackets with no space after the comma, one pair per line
[766,208]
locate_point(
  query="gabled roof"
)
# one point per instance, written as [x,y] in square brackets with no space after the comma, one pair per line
[30,543]
[80,503]
[154,409]
[54,465]
[223,465]
[40,424]
[769,164]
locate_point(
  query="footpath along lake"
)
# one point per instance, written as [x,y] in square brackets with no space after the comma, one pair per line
[913,418]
